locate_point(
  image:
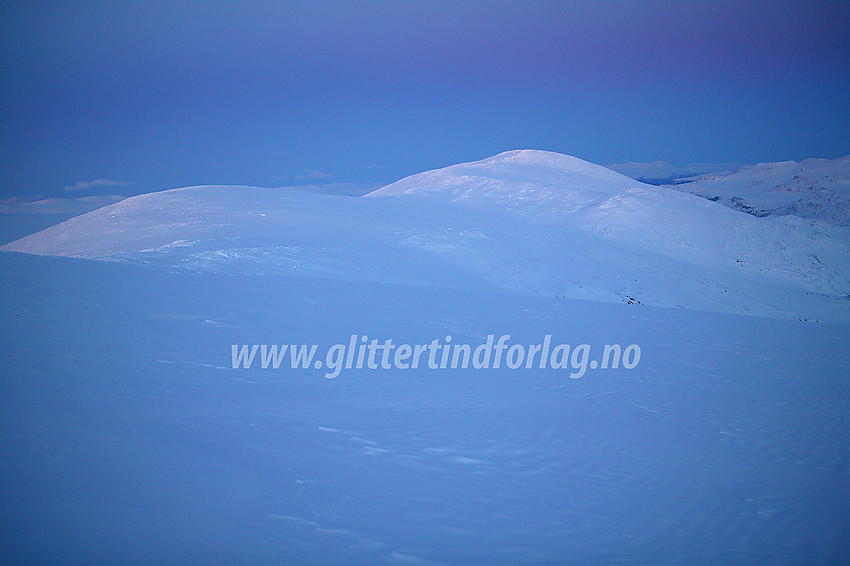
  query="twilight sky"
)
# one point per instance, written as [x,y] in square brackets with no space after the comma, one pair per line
[127,97]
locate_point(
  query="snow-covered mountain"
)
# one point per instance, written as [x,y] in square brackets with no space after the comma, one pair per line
[523,221]
[814,188]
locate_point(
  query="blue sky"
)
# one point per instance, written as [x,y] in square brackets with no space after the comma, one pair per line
[128,97]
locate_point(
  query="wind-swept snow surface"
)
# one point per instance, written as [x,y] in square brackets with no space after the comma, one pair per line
[127,437]
[528,222]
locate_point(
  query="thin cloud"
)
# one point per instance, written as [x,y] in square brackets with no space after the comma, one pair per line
[313,174]
[86,185]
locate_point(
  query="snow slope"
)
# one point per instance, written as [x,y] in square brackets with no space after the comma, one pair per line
[127,438]
[526,221]
[814,188]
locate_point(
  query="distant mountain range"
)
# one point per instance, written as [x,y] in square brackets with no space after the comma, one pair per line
[663,173]
[814,188]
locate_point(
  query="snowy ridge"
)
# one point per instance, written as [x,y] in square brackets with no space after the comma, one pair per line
[522,181]
[814,188]
[524,222]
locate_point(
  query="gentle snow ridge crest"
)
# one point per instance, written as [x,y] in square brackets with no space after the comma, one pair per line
[491,177]
[524,221]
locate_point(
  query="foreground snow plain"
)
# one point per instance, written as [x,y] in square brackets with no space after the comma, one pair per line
[128,437]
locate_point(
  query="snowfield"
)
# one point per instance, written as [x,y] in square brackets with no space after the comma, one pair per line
[128,437]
